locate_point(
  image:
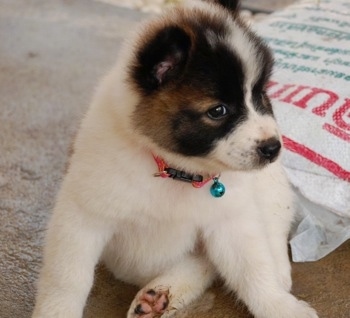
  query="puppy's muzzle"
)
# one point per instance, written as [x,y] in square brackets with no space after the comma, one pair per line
[269,149]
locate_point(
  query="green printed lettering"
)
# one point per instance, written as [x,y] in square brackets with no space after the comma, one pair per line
[306,28]
[276,42]
[280,63]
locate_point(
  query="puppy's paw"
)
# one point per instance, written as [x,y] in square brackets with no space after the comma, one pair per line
[304,310]
[294,309]
[150,303]
[284,307]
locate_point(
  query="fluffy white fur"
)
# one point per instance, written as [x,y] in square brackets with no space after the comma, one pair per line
[162,234]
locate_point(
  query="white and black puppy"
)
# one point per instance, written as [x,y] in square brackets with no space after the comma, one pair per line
[186,101]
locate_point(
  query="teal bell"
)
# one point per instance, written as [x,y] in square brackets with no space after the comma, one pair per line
[217,190]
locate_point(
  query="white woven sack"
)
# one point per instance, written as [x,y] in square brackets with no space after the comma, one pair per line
[310,91]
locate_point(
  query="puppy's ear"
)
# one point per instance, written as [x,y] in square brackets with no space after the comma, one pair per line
[232,5]
[162,58]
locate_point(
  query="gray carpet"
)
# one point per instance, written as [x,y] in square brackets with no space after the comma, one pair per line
[52,53]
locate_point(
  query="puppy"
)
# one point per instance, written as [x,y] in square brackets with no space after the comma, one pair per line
[175,177]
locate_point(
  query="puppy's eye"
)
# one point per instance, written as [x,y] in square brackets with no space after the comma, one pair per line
[217,112]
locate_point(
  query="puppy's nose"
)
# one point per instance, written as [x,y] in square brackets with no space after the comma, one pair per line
[269,149]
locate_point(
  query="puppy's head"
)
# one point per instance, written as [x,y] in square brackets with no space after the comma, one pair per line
[201,76]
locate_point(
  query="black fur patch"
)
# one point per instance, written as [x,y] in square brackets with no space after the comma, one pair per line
[216,73]
[261,101]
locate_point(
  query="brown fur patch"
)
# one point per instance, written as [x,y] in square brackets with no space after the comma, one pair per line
[70,153]
[154,114]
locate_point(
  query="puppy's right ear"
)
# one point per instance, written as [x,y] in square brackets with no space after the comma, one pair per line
[161,59]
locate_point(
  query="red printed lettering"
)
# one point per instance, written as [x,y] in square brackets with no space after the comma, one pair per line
[281,90]
[336,132]
[306,97]
[289,98]
[316,158]
[322,109]
[341,113]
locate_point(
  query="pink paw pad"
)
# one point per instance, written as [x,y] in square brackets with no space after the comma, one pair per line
[152,304]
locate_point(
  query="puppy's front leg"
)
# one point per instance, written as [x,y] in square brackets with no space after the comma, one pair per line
[241,253]
[74,243]
[171,291]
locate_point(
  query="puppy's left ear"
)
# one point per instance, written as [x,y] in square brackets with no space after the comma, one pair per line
[232,5]
[161,59]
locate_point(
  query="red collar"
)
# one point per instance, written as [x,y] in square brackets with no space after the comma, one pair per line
[165,171]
